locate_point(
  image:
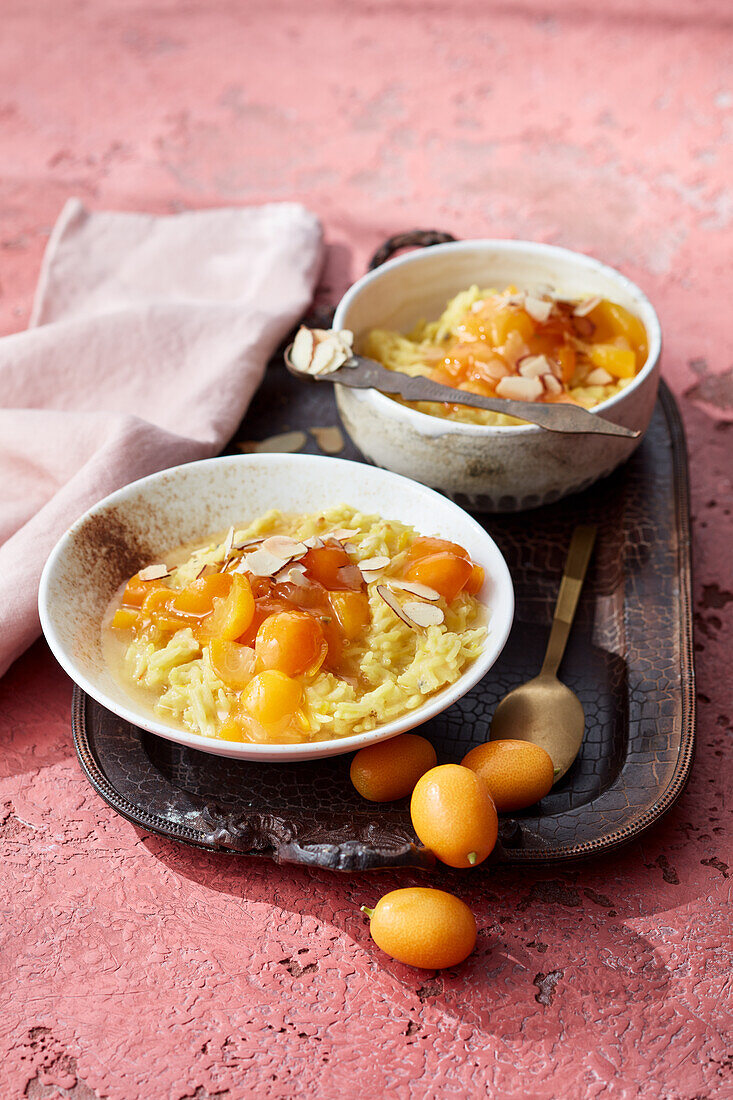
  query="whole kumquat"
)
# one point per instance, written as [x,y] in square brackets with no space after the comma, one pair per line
[453,814]
[423,927]
[517,773]
[390,770]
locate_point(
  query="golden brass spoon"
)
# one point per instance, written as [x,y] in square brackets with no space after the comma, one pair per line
[545,711]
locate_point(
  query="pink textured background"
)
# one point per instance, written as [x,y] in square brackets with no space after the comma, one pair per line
[132,968]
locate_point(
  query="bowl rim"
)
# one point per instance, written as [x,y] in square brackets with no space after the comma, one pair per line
[424,422]
[495,641]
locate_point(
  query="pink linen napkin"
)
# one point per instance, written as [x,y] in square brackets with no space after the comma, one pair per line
[148,337]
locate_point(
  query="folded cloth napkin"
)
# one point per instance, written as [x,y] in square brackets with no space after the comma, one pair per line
[148,337]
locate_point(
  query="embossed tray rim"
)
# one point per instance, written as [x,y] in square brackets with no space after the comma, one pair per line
[666,797]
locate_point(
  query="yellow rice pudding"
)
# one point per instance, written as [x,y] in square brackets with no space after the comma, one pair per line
[297,628]
[520,346]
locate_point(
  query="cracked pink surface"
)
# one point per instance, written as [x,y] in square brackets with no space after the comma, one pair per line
[132,968]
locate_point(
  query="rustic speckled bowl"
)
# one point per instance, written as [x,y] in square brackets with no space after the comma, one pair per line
[489,468]
[139,524]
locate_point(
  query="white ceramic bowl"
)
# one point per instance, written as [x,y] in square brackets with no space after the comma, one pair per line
[488,468]
[138,524]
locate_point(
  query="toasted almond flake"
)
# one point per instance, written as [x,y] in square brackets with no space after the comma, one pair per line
[249,542]
[154,572]
[372,564]
[391,601]
[294,574]
[533,366]
[552,384]
[582,309]
[538,309]
[301,353]
[260,563]
[329,439]
[342,533]
[514,349]
[228,543]
[415,589]
[519,389]
[313,542]
[284,443]
[372,575]
[283,546]
[598,377]
[205,569]
[325,352]
[424,614]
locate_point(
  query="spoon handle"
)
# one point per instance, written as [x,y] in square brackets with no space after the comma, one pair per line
[576,564]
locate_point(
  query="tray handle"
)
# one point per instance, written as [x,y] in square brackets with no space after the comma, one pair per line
[415,238]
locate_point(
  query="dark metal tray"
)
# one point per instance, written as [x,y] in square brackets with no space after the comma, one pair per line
[629,659]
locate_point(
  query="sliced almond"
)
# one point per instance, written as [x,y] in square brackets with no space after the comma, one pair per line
[582,309]
[325,352]
[424,614]
[228,543]
[249,542]
[514,349]
[301,353]
[283,443]
[538,309]
[534,366]
[372,564]
[313,542]
[519,389]
[282,546]
[343,533]
[552,384]
[154,572]
[415,589]
[330,439]
[391,601]
[205,570]
[294,574]
[261,563]
[598,377]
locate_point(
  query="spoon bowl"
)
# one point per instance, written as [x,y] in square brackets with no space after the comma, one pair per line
[545,711]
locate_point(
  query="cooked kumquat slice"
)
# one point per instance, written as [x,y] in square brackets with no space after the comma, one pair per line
[231,615]
[157,608]
[125,618]
[136,590]
[425,545]
[446,573]
[620,362]
[351,610]
[272,698]
[331,567]
[233,663]
[231,730]
[197,598]
[292,642]
[475,582]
